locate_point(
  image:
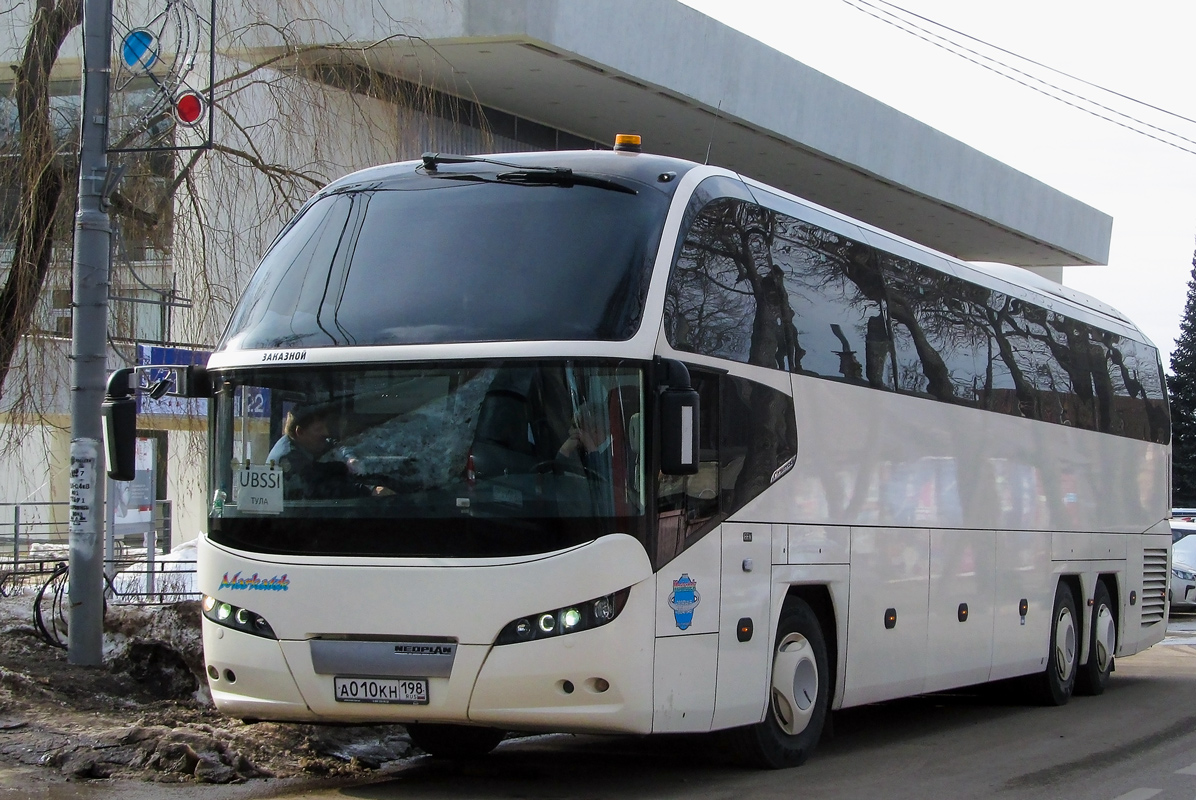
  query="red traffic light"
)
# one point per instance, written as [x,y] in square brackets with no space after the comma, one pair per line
[189,107]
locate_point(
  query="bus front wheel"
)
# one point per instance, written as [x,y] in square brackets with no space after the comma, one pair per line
[454,741]
[798,695]
[1056,682]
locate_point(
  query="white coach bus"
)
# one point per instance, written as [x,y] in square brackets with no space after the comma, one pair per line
[610,442]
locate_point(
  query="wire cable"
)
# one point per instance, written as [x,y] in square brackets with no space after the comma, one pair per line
[949,44]
[1068,75]
[899,23]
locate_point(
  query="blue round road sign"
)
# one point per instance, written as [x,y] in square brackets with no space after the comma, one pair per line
[139,50]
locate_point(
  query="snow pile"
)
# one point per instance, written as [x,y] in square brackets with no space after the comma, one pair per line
[161,647]
[48,551]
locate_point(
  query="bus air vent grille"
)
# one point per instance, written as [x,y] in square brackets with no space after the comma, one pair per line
[1154,585]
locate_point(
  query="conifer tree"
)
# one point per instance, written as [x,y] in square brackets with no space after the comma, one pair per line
[1182,387]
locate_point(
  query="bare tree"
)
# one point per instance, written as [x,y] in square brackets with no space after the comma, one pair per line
[296,103]
[36,169]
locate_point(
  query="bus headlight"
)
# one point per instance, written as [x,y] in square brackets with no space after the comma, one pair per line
[560,621]
[237,618]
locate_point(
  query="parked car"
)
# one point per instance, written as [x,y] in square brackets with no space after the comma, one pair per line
[1183,523]
[1183,575]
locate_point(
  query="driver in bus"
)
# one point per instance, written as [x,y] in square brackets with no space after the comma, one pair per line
[589,441]
[307,438]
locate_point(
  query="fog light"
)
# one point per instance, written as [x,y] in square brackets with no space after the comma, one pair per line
[208,603]
[547,622]
[523,628]
[570,618]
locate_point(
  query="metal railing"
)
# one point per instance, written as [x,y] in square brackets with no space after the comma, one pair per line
[137,567]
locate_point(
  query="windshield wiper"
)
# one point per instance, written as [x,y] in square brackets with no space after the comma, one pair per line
[523,175]
[562,177]
[433,160]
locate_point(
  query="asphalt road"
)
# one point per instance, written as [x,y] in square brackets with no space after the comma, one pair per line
[1135,742]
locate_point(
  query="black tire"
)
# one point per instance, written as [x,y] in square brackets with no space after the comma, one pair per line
[454,741]
[1054,685]
[789,732]
[1102,645]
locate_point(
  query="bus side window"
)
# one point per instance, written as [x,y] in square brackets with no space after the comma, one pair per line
[747,434]
[759,437]
[686,503]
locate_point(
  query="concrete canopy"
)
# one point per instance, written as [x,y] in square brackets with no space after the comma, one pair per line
[691,85]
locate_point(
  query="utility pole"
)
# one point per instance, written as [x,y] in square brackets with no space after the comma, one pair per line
[89,345]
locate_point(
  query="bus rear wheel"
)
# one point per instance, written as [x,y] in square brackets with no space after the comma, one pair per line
[454,741]
[798,695]
[1056,683]
[1102,645]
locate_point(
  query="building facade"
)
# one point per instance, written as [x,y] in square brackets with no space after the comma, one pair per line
[302,97]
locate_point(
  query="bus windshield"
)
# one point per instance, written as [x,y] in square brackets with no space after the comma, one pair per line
[486,459]
[429,260]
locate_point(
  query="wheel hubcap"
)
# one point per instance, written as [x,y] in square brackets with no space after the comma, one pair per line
[1106,638]
[1065,644]
[794,683]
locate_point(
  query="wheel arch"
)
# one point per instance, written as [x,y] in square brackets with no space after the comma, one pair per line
[1073,582]
[1112,582]
[818,598]
[1083,588]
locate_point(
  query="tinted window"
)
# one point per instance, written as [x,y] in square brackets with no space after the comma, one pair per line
[688,505]
[759,440]
[1007,388]
[747,441]
[725,295]
[754,285]
[939,331]
[456,261]
[835,289]
[1140,407]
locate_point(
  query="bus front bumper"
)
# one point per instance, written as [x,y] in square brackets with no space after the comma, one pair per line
[598,680]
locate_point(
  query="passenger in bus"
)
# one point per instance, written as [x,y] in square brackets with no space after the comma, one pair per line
[308,436]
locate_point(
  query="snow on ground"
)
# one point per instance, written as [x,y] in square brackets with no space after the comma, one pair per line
[171,579]
[146,714]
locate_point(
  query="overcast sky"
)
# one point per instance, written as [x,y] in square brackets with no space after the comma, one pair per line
[1142,50]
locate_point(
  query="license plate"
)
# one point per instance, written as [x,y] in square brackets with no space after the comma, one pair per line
[409,691]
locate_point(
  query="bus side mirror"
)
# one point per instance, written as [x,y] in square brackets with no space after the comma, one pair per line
[119,411]
[679,416]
